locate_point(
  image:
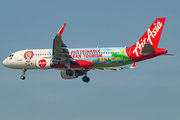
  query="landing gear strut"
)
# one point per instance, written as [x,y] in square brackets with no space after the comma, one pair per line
[23,76]
[85,78]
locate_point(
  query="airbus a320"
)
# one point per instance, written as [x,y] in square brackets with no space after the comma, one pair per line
[77,62]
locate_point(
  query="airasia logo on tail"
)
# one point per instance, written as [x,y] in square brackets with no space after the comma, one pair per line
[147,38]
[42,63]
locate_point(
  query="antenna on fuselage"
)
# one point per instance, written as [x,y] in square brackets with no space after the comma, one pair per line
[97,46]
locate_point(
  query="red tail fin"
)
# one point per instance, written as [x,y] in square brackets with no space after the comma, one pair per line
[152,36]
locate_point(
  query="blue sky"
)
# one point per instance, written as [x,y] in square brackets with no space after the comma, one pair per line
[150,91]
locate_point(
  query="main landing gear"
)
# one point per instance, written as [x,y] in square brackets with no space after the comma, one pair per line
[77,73]
[69,72]
[85,78]
[23,76]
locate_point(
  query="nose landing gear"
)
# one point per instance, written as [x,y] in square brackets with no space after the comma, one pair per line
[23,76]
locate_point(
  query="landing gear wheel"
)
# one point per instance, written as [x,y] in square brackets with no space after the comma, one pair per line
[86,79]
[22,77]
[69,72]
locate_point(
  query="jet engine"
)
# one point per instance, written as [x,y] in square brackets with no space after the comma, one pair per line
[76,73]
[45,63]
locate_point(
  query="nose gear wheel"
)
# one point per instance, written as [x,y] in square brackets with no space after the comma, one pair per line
[23,76]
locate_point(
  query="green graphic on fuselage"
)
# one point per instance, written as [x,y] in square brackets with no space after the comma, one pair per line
[116,59]
[102,57]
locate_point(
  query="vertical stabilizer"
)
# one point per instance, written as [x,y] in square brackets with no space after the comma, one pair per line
[151,36]
[153,33]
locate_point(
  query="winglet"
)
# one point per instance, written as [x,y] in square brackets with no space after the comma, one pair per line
[61,30]
[133,65]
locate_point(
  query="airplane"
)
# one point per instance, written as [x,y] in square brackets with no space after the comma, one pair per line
[77,62]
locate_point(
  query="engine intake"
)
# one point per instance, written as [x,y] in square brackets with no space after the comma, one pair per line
[76,73]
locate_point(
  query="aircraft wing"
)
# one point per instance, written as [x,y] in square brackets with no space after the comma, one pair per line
[117,68]
[60,50]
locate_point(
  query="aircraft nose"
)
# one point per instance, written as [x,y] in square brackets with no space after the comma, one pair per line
[4,63]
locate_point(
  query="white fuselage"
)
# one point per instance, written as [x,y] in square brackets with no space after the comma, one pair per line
[18,60]
[42,58]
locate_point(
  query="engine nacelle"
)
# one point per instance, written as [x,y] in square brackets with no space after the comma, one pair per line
[76,73]
[43,63]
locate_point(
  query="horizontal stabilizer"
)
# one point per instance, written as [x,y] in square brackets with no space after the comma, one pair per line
[169,54]
[133,65]
[147,49]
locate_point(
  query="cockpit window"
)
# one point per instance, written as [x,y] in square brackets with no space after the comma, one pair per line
[11,55]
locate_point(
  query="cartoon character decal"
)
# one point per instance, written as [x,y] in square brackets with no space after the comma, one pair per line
[28,56]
